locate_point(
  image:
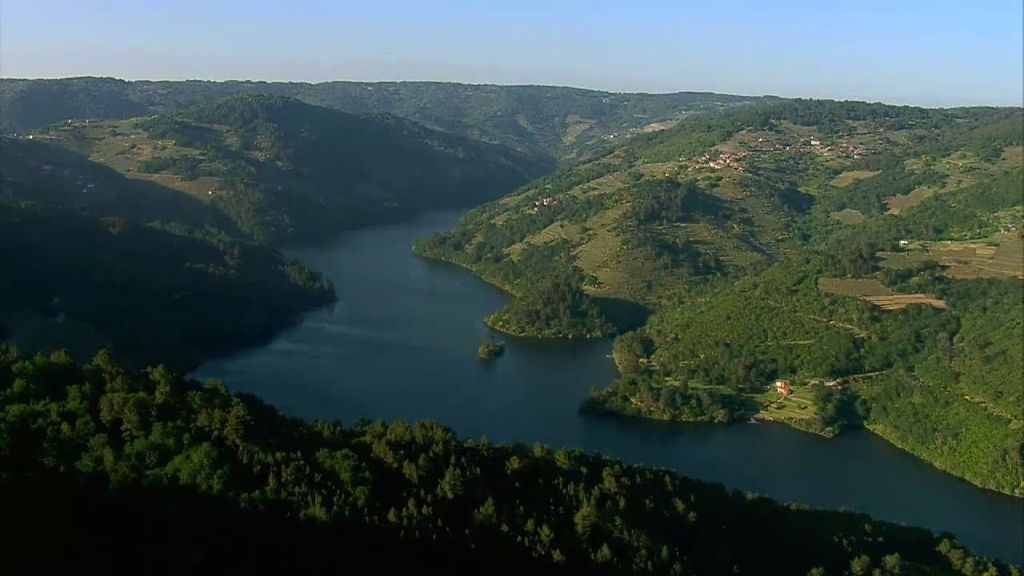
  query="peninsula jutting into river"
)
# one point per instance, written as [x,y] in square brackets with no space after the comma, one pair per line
[409,361]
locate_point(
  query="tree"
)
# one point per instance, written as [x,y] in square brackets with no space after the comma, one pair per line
[586,518]
[861,565]
[629,349]
[892,563]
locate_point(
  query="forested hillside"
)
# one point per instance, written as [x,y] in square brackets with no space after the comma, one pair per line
[563,124]
[867,256]
[171,467]
[864,258]
[151,293]
[149,235]
[90,259]
[285,171]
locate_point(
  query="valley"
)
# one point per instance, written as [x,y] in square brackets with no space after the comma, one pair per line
[726,228]
[831,270]
[561,123]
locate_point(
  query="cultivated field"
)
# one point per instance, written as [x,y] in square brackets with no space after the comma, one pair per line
[121,145]
[851,176]
[900,301]
[798,405]
[900,203]
[1000,257]
[857,287]
[872,290]
[848,216]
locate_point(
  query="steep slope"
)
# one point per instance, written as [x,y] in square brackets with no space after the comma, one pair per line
[856,245]
[565,124]
[162,453]
[43,171]
[29,104]
[569,124]
[663,218]
[90,259]
[285,171]
[675,214]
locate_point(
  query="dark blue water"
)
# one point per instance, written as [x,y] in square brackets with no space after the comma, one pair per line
[401,344]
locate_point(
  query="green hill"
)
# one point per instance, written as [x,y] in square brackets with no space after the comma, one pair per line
[285,171]
[716,197]
[201,478]
[564,124]
[42,171]
[854,244]
[147,292]
[90,259]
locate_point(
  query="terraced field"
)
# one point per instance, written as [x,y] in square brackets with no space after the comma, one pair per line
[998,257]
[557,231]
[601,253]
[872,290]
[901,301]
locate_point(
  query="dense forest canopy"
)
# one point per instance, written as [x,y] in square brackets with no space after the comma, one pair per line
[150,293]
[92,259]
[192,455]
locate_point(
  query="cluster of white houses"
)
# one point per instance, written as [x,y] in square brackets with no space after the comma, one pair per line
[722,160]
[543,203]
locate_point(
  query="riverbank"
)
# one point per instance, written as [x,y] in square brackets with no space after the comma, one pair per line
[618,315]
[414,359]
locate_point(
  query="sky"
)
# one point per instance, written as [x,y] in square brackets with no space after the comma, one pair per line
[921,52]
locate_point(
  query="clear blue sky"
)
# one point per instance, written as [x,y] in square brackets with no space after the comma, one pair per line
[926,52]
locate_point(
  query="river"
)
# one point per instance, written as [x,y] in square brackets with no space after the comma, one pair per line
[401,342]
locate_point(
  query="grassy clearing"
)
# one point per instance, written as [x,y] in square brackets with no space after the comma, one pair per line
[872,290]
[796,410]
[556,231]
[603,185]
[124,147]
[848,216]
[851,176]
[658,126]
[662,170]
[602,251]
[900,203]
[799,404]
[857,287]
[576,129]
